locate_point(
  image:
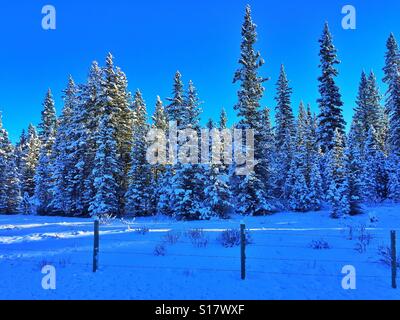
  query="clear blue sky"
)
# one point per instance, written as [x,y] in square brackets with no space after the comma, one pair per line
[152,39]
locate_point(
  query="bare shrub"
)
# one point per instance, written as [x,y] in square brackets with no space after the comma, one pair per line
[160,250]
[364,239]
[198,238]
[385,254]
[231,238]
[172,237]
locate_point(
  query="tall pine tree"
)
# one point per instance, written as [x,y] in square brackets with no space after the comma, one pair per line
[330,103]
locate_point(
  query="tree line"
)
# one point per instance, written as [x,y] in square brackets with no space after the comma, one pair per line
[92,159]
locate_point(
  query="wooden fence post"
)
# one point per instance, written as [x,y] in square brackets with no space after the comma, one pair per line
[96,245]
[243,250]
[394,258]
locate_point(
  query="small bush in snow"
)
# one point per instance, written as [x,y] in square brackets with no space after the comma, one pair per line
[188,273]
[172,237]
[198,238]
[160,250]
[385,254]
[364,239]
[142,230]
[319,245]
[231,238]
[373,218]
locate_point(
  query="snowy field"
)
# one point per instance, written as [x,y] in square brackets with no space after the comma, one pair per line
[281,262]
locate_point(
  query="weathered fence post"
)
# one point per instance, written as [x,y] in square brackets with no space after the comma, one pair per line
[243,250]
[394,258]
[96,245]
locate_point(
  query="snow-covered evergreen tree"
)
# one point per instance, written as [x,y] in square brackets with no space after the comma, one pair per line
[174,113]
[90,99]
[368,113]
[192,107]
[330,103]
[265,167]
[160,123]
[48,124]
[336,176]
[158,176]
[250,194]
[374,174]
[303,185]
[10,186]
[124,120]
[62,164]
[139,194]
[115,102]
[106,171]
[189,180]
[176,108]
[160,118]
[284,134]
[27,158]
[43,176]
[392,80]
[350,191]
[376,116]
[218,194]
[223,119]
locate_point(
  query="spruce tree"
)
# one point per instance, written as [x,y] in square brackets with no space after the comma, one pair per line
[284,133]
[106,171]
[330,103]
[90,99]
[115,102]
[192,106]
[267,147]
[62,164]
[160,123]
[336,177]
[218,194]
[176,108]
[158,177]
[303,181]
[368,113]
[250,194]
[43,176]
[351,191]
[138,196]
[27,152]
[374,177]
[392,80]
[223,119]
[10,187]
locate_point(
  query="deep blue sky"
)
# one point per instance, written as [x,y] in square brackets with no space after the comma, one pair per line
[152,39]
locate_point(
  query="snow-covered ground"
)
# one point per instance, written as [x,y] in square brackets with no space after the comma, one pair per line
[281,264]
